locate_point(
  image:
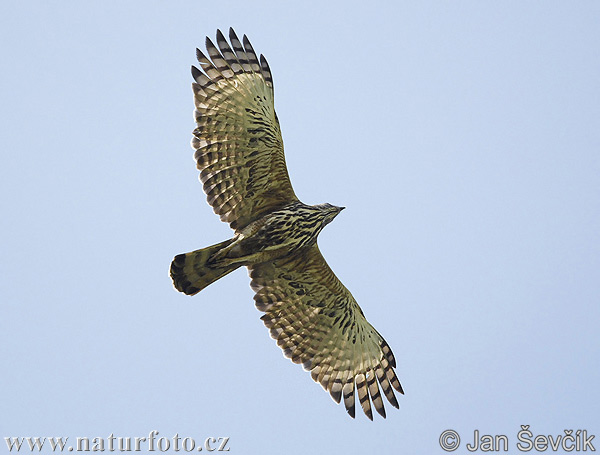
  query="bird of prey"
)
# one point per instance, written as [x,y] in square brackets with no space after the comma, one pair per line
[309,312]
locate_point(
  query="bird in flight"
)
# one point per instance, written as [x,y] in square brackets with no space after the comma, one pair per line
[309,312]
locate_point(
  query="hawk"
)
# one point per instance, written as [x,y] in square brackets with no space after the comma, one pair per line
[309,312]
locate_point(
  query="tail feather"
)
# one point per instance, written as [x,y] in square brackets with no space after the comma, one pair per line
[192,272]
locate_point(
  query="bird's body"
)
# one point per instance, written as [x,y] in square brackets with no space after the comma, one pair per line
[278,234]
[310,313]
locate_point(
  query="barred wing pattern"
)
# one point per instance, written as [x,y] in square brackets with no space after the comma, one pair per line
[239,150]
[317,323]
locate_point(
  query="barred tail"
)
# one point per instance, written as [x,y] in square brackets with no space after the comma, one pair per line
[192,272]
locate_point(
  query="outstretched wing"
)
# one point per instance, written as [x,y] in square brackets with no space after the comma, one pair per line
[239,150]
[317,323]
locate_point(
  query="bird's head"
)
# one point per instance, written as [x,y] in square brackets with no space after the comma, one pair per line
[330,212]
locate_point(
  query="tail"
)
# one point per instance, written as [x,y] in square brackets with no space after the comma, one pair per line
[192,272]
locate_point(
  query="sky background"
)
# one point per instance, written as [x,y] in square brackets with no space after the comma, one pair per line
[464,139]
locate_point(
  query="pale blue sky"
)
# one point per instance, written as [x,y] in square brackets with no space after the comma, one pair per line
[463,137]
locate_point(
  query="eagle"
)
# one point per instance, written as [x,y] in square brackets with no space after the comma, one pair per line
[308,311]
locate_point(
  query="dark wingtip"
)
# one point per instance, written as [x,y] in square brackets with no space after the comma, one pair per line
[196,73]
[337,395]
[200,55]
[232,34]
[351,411]
[246,42]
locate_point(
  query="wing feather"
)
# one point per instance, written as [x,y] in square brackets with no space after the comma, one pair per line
[317,323]
[239,51]
[348,391]
[237,142]
[252,59]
